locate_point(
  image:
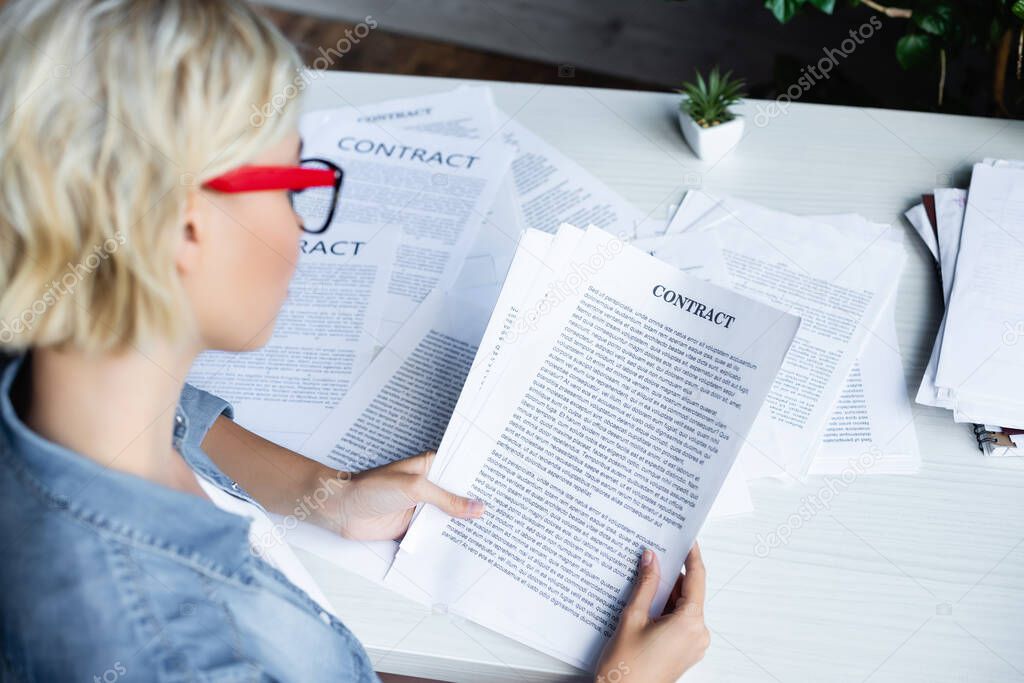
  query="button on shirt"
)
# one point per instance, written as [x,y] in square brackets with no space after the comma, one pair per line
[107,575]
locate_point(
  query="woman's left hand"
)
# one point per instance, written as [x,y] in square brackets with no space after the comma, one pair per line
[378,504]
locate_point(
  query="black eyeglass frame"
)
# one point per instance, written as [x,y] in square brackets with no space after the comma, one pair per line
[339,176]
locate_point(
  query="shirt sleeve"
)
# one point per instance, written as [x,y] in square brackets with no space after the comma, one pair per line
[201,409]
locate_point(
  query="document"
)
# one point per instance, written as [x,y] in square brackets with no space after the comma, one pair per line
[369,559]
[699,254]
[872,414]
[917,216]
[401,404]
[546,183]
[550,188]
[464,112]
[694,205]
[607,424]
[544,188]
[980,362]
[419,406]
[467,113]
[437,189]
[871,426]
[950,205]
[322,338]
[553,189]
[696,254]
[837,283]
[400,407]
[400,382]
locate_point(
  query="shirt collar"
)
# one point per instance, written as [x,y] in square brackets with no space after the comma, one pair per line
[119,502]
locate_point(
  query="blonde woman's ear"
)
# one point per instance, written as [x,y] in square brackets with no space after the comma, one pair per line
[188,254]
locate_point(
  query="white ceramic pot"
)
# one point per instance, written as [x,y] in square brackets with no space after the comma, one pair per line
[711,143]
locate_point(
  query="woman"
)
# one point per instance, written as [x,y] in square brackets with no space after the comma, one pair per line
[136,234]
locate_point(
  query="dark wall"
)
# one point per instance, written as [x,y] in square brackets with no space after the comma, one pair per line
[660,42]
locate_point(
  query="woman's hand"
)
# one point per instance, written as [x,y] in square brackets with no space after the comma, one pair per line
[661,649]
[374,505]
[377,504]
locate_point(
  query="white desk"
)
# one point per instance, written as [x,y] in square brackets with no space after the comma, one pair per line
[906,578]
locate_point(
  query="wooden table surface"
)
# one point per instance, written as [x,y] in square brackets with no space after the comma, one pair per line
[917,578]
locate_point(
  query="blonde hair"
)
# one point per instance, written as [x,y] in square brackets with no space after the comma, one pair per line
[113,111]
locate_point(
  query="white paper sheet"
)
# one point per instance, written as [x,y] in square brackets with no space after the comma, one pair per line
[369,559]
[872,415]
[871,427]
[837,278]
[544,189]
[400,406]
[373,559]
[980,361]
[694,205]
[469,113]
[553,189]
[699,254]
[501,586]
[321,339]
[459,113]
[950,205]
[527,265]
[437,189]
[917,216]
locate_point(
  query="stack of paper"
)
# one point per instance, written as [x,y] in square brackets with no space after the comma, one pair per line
[389,305]
[841,401]
[408,321]
[604,410]
[976,367]
[437,191]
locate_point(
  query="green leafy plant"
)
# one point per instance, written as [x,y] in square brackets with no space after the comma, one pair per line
[940,30]
[707,101]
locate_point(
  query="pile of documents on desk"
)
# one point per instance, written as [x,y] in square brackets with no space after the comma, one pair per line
[436,192]
[840,404]
[392,311]
[608,400]
[388,306]
[976,367]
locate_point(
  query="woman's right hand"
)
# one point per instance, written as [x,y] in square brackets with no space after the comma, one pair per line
[660,649]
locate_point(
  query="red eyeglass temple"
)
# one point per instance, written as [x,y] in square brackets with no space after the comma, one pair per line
[255,178]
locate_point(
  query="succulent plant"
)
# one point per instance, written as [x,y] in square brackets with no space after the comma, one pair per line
[707,101]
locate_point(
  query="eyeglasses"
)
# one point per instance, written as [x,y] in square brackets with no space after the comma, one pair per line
[313,188]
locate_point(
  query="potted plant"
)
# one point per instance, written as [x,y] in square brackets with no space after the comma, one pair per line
[708,125]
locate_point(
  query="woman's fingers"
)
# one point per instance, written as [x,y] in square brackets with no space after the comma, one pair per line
[413,471]
[638,610]
[426,491]
[674,596]
[694,585]
[416,464]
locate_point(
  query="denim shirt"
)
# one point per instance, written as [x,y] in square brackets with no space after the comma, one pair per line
[104,575]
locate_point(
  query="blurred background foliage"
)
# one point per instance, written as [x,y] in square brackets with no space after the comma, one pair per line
[940,35]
